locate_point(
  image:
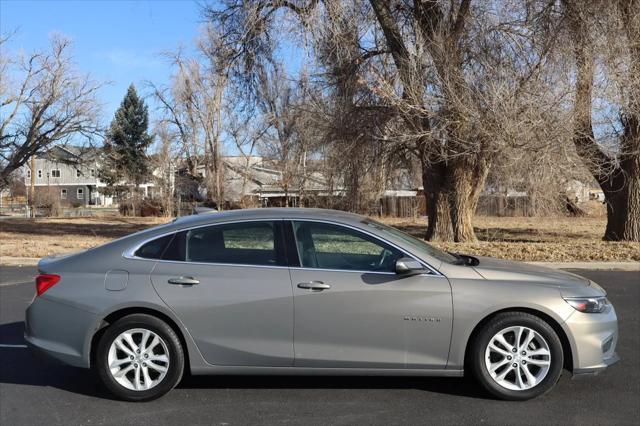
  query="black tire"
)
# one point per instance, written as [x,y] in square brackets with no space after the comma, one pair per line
[501,322]
[175,352]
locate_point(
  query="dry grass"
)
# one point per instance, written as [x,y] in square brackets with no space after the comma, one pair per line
[541,239]
[536,239]
[44,237]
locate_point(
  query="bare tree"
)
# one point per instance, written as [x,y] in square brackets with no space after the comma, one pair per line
[164,162]
[44,101]
[179,103]
[279,101]
[245,133]
[458,66]
[617,172]
[212,83]
[194,105]
[355,117]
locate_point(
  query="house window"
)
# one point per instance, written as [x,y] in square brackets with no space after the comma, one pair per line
[29,173]
[80,194]
[55,173]
[39,173]
[63,194]
[78,174]
[93,172]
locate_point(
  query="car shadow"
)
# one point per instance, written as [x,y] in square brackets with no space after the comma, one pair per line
[19,366]
[459,386]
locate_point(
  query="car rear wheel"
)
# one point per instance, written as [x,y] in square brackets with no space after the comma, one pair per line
[517,356]
[139,358]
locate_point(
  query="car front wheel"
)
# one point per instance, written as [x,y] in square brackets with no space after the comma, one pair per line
[139,358]
[517,356]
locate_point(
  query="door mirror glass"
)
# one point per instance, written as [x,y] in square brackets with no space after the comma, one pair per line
[408,266]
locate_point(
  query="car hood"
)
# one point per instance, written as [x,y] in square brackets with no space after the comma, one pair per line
[499,270]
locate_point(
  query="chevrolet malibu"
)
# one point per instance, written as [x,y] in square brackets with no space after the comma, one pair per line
[303,291]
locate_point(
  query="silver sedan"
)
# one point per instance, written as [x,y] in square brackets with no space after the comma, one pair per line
[303,291]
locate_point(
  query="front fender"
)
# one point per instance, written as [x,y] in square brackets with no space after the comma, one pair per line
[473,302]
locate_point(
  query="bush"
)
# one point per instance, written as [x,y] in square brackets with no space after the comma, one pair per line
[148,207]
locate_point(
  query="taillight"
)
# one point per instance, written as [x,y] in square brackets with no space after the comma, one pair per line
[45,281]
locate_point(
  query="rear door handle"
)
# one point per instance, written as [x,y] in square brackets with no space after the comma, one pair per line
[183,281]
[314,286]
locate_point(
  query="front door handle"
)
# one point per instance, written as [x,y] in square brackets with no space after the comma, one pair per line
[314,286]
[183,281]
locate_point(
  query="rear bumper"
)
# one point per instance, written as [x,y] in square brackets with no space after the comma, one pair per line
[593,339]
[59,331]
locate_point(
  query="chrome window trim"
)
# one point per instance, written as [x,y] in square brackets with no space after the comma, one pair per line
[130,253]
[300,268]
[355,228]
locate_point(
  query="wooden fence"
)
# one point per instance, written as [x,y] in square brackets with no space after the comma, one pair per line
[488,205]
[498,205]
[403,206]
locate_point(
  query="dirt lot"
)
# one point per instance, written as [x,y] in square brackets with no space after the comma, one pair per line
[533,239]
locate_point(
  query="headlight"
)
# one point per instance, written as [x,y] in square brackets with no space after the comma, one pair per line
[588,305]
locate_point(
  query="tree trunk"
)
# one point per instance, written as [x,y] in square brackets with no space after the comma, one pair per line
[619,180]
[32,186]
[134,200]
[437,199]
[218,166]
[622,188]
[468,178]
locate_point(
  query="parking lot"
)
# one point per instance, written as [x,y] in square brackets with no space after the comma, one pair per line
[33,391]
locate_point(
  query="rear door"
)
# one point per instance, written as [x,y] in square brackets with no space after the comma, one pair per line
[230,285]
[352,310]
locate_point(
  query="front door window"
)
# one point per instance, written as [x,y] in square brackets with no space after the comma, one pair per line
[327,246]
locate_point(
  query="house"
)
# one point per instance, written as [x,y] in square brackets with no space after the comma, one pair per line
[69,176]
[257,179]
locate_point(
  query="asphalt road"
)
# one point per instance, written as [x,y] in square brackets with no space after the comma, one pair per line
[36,392]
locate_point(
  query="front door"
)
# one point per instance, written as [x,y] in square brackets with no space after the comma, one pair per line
[230,286]
[352,310]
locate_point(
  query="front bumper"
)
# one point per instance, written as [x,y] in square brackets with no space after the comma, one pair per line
[593,339]
[597,369]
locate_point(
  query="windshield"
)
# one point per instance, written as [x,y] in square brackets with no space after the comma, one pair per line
[412,241]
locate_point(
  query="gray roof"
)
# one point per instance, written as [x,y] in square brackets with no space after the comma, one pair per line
[71,154]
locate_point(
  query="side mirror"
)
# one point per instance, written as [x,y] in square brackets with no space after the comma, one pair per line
[407,266]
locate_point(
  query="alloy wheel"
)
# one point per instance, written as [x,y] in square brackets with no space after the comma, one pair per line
[518,358]
[138,359]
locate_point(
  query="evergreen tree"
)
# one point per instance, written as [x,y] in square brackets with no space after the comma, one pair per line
[126,164]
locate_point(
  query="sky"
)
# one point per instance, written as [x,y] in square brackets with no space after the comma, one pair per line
[118,40]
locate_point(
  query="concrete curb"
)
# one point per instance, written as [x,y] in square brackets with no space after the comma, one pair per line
[19,261]
[591,265]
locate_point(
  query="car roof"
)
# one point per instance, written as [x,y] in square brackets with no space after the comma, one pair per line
[268,213]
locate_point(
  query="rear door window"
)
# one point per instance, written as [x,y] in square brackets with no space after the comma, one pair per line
[154,248]
[243,243]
